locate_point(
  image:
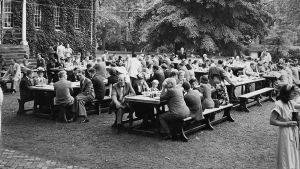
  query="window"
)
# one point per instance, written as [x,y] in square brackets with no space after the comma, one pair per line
[37,16]
[76,18]
[57,16]
[7,15]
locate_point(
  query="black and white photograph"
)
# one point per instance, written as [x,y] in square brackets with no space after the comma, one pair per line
[149,84]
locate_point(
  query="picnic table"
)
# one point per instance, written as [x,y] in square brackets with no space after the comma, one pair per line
[236,69]
[44,97]
[155,102]
[271,77]
[241,82]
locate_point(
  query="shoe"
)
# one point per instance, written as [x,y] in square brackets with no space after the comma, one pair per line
[14,91]
[85,121]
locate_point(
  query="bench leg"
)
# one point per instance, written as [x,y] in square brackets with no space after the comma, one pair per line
[21,107]
[228,115]
[258,101]
[183,136]
[208,124]
[243,105]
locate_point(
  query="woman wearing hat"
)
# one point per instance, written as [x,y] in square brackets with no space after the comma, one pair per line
[40,79]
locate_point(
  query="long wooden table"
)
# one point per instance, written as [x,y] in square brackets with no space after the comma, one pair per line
[44,97]
[157,105]
[242,83]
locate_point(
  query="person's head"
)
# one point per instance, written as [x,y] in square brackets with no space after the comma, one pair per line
[29,73]
[180,65]
[204,79]
[80,74]
[26,56]
[164,66]
[122,79]
[62,60]
[286,93]
[193,82]
[170,83]
[154,83]
[62,75]
[134,55]
[39,56]
[186,86]
[13,61]
[220,63]
[92,71]
[181,75]
[155,68]
[40,72]
[140,78]
[174,74]
[237,58]
[97,67]
[181,49]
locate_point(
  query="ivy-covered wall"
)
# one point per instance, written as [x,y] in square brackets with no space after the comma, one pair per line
[48,35]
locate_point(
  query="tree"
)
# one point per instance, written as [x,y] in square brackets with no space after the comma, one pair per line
[209,25]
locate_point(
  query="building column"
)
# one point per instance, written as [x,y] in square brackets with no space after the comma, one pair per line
[24,41]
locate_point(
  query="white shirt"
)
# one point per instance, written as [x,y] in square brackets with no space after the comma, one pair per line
[133,67]
[61,51]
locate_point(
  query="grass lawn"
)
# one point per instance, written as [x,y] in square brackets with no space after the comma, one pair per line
[249,142]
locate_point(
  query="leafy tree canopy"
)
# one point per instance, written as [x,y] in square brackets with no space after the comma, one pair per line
[210,25]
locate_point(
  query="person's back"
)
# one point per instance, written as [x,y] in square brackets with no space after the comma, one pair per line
[101,69]
[99,86]
[193,101]
[133,67]
[176,102]
[62,91]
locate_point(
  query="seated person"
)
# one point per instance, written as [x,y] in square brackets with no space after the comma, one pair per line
[112,79]
[154,85]
[69,63]
[24,65]
[13,73]
[140,85]
[206,89]
[40,79]
[98,83]
[118,104]
[220,91]
[178,109]
[181,78]
[73,76]
[25,93]
[88,67]
[63,90]
[85,96]
[192,99]
[194,84]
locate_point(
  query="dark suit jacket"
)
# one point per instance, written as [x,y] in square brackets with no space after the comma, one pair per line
[72,77]
[99,86]
[25,93]
[167,73]
[160,76]
[86,87]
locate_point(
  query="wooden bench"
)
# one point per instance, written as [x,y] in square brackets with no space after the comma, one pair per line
[98,107]
[190,125]
[256,95]
[63,113]
[22,110]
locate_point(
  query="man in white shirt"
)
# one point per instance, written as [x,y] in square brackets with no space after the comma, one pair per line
[266,56]
[134,67]
[60,51]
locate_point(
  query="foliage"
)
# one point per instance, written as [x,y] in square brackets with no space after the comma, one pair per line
[209,25]
[48,35]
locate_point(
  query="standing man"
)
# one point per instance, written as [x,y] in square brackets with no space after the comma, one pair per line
[158,75]
[134,67]
[85,96]
[60,51]
[182,54]
[40,62]
[13,73]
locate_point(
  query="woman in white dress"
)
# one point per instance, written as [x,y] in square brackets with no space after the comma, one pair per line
[282,116]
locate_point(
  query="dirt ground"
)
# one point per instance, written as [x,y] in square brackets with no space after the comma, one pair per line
[249,142]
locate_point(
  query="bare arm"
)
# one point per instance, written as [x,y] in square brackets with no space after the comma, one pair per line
[275,122]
